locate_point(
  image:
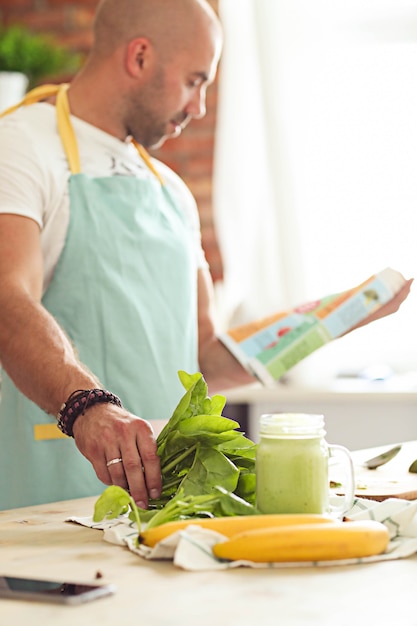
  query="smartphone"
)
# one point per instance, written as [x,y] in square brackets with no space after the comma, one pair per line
[54,591]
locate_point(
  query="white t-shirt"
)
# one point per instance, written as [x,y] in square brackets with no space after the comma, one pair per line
[34,174]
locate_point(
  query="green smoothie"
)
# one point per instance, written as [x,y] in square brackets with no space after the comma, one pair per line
[292,474]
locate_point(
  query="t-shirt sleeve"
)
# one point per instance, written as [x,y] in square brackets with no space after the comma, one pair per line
[23,184]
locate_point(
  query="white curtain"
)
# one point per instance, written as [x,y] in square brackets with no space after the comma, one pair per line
[316,164]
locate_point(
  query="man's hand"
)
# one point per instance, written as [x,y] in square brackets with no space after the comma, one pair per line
[390,307]
[106,432]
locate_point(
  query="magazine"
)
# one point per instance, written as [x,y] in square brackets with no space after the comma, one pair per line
[271,346]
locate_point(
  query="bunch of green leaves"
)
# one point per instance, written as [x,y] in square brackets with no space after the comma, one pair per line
[207,465]
[200,449]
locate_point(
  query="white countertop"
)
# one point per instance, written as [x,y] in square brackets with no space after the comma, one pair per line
[343,389]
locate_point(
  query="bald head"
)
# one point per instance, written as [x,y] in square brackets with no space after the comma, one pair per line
[166,23]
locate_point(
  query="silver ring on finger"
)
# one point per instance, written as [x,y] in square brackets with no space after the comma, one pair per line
[114,461]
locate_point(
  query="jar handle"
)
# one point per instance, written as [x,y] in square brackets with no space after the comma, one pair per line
[349,486]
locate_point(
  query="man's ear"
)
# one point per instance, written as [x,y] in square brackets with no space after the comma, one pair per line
[138,56]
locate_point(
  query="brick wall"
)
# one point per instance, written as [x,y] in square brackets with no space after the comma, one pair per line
[190,155]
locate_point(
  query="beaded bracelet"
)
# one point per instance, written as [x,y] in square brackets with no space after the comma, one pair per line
[77,404]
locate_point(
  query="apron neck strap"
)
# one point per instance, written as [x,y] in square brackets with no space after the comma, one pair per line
[33,96]
[147,159]
[65,128]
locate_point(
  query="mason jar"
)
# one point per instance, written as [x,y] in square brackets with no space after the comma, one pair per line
[292,466]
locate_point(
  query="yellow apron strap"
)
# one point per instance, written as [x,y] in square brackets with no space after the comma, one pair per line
[35,95]
[65,128]
[147,159]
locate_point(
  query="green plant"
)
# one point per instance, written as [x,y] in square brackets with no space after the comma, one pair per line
[36,55]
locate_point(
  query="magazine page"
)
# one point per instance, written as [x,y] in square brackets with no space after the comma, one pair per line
[269,347]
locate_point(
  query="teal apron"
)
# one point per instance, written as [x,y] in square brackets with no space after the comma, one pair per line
[125,292]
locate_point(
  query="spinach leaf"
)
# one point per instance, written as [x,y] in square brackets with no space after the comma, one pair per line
[210,468]
[115,501]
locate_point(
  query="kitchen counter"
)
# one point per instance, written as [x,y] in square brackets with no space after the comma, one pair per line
[37,542]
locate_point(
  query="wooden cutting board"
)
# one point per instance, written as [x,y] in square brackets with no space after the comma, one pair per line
[392,480]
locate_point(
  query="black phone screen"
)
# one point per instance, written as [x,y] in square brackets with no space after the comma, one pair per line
[51,591]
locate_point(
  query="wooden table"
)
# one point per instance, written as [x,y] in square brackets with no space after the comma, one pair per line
[37,542]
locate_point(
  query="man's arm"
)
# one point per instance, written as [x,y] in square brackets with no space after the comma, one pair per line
[220,368]
[39,358]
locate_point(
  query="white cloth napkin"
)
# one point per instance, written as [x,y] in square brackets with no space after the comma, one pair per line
[191,549]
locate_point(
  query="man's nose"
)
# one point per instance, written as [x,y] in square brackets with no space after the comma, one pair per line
[197,106]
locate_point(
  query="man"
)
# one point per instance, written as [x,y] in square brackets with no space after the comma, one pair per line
[104,291]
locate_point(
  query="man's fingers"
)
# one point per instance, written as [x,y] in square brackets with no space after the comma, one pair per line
[115,471]
[134,477]
[141,466]
[142,470]
[151,466]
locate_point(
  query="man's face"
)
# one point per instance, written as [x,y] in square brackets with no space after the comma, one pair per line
[173,95]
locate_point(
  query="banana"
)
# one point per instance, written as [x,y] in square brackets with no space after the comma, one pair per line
[230,526]
[306,542]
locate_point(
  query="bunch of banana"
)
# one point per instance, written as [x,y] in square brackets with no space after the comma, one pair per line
[283,538]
